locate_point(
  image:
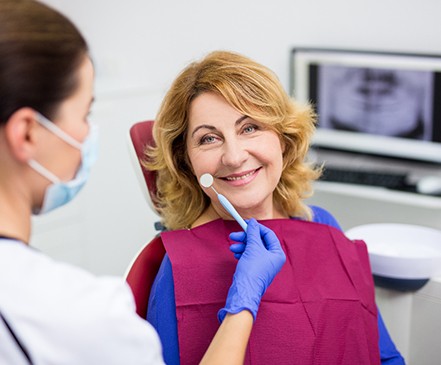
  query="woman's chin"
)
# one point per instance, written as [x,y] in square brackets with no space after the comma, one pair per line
[258,211]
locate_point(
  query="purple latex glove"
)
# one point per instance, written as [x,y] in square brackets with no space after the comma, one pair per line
[260,259]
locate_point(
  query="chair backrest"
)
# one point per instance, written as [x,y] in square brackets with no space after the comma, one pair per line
[142,271]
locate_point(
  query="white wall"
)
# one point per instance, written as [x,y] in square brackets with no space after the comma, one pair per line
[139,43]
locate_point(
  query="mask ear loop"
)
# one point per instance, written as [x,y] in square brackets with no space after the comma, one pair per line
[46,123]
[57,131]
[44,172]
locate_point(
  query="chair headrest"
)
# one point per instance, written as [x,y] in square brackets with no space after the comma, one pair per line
[140,136]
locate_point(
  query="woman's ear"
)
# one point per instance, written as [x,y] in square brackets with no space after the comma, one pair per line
[20,133]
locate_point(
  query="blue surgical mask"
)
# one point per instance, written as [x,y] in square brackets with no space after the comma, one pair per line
[59,192]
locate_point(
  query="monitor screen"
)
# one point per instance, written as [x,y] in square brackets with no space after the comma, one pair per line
[387,104]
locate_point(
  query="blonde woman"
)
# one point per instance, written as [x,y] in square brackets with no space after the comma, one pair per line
[229,116]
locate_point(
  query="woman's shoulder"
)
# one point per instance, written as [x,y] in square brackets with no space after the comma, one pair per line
[321,215]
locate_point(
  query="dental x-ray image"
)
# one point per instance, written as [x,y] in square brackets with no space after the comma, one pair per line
[379,101]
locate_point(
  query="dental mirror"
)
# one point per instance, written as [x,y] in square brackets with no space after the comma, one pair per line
[206,180]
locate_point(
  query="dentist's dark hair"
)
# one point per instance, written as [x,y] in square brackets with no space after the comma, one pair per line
[40,54]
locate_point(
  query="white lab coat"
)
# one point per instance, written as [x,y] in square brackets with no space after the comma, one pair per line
[64,315]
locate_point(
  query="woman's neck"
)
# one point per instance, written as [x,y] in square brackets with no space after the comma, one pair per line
[212,213]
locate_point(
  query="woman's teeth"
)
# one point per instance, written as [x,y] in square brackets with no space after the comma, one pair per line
[239,177]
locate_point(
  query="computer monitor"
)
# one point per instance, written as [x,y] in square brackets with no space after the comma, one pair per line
[379,103]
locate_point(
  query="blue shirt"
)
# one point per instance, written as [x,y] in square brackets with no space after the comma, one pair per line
[162,309]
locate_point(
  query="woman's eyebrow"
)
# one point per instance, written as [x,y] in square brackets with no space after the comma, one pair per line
[240,120]
[206,126]
[212,128]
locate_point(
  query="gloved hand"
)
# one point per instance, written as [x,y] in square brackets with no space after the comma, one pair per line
[260,259]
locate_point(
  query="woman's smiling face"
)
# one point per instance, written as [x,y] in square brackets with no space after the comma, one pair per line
[243,155]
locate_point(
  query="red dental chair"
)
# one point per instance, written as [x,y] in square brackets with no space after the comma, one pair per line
[142,271]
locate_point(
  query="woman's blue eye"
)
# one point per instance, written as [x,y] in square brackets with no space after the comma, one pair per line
[250,129]
[207,140]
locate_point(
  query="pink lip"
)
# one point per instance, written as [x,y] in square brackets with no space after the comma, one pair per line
[241,181]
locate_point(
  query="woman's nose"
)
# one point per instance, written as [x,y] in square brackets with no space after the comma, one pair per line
[234,154]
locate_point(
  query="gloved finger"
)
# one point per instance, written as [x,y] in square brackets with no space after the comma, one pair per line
[238,247]
[252,229]
[253,238]
[272,243]
[238,236]
[238,255]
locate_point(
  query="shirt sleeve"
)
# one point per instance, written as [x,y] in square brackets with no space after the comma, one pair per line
[127,338]
[388,352]
[161,312]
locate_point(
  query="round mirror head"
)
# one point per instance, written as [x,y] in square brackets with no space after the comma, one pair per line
[206,180]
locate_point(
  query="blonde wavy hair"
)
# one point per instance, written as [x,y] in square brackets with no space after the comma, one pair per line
[253,90]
